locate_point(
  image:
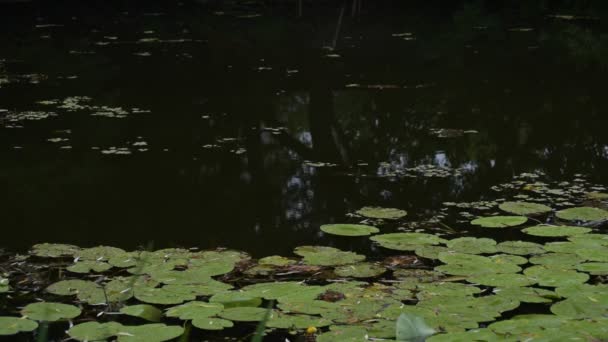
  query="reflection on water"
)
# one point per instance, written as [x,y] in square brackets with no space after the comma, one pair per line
[188,125]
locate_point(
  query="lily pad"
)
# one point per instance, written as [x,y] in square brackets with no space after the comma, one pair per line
[208,323]
[582,214]
[162,296]
[594,268]
[501,280]
[100,253]
[15,325]
[561,260]
[594,253]
[469,265]
[500,221]
[382,213]
[349,229]
[327,256]
[406,241]
[192,310]
[89,266]
[472,245]
[231,299]
[54,250]
[582,306]
[360,270]
[145,311]
[524,208]
[287,321]
[244,314]
[207,289]
[555,231]
[555,277]
[276,260]
[527,294]
[94,331]
[275,290]
[149,333]
[520,248]
[50,312]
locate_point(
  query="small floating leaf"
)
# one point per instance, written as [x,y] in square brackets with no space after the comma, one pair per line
[212,323]
[327,256]
[192,310]
[50,312]
[276,260]
[500,221]
[149,333]
[406,241]
[382,213]
[360,270]
[54,250]
[582,214]
[555,277]
[94,331]
[524,208]
[555,231]
[15,325]
[472,245]
[349,229]
[145,311]
[520,248]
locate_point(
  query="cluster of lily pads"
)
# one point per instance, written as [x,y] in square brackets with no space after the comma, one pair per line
[82,103]
[465,288]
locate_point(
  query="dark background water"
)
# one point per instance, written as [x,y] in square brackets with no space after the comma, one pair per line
[216,171]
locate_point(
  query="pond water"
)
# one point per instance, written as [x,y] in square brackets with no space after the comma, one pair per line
[246,126]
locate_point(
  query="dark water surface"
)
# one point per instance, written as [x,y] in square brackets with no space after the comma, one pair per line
[219,110]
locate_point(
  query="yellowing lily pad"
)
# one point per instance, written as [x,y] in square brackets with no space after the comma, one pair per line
[349,229]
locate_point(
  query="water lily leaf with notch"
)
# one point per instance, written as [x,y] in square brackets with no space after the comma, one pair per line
[500,221]
[360,270]
[211,267]
[359,309]
[192,310]
[89,266]
[555,231]
[502,280]
[94,331]
[414,276]
[349,229]
[524,208]
[472,245]
[72,287]
[157,332]
[145,311]
[527,324]
[232,299]
[327,256]
[594,253]
[527,294]
[406,241]
[208,289]
[100,253]
[276,260]
[582,306]
[119,289]
[559,260]
[50,312]
[555,277]
[520,248]
[597,195]
[15,325]
[208,323]
[245,314]
[381,213]
[53,250]
[594,268]
[582,214]
[187,277]
[161,296]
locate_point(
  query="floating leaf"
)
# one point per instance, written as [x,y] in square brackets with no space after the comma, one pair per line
[208,289]
[382,213]
[327,256]
[285,321]
[15,325]
[94,331]
[72,287]
[500,221]
[349,229]
[468,336]
[527,294]
[275,290]
[276,260]
[502,280]
[524,208]
[343,334]
[232,299]
[554,277]
[161,296]
[594,253]
[595,268]
[520,248]
[560,260]
[89,266]
[244,314]
[406,241]
[149,333]
[597,195]
[99,253]
[360,270]
[430,251]
[192,310]
[581,289]
[53,250]
[50,312]
[582,306]
[212,323]
[469,264]
[145,311]
[472,245]
[555,231]
[582,214]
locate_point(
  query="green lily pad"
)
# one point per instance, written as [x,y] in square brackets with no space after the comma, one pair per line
[527,294]
[4,285]
[344,334]
[161,296]
[244,314]
[100,253]
[524,208]
[414,276]
[454,290]
[500,221]
[560,260]
[71,287]
[473,335]
[555,277]
[594,253]
[145,311]
[94,331]
[582,306]
[276,260]
[149,333]
[526,324]
[207,323]
[430,251]
[50,312]
[472,245]
[327,256]
[277,289]
[469,264]
[308,307]
[15,325]
[192,310]
[53,250]
[89,266]
[571,290]
[582,214]
[594,268]
[231,299]
[590,239]
[520,248]
[502,280]
[208,289]
[288,321]
[406,241]
[360,270]
[382,213]
[555,231]
[349,229]
[508,259]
